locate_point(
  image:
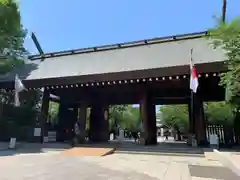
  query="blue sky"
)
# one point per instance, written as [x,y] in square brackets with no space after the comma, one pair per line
[62,25]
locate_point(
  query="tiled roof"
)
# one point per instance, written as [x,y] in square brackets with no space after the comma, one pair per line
[141,55]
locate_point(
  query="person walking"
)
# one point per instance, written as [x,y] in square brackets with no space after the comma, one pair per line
[135,135]
[166,133]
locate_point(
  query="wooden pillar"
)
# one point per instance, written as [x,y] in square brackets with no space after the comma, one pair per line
[99,124]
[44,113]
[236,126]
[62,117]
[67,116]
[199,121]
[148,117]
[191,128]
[82,121]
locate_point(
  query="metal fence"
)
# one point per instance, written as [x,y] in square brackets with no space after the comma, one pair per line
[225,134]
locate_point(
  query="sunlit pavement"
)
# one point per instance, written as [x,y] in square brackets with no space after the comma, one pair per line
[55,165]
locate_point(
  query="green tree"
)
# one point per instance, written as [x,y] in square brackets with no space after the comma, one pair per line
[131,118]
[116,115]
[219,113]
[175,116]
[227,37]
[124,116]
[12,51]
[88,119]
[12,55]
[53,112]
[12,34]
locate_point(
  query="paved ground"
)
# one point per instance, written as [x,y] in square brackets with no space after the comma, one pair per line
[236,158]
[230,159]
[55,165]
[233,156]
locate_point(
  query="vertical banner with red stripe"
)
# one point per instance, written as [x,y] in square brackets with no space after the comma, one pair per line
[193,75]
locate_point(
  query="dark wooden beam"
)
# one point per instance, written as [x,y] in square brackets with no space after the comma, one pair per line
[224,10]
[38,46]
[128,75]
[130,93]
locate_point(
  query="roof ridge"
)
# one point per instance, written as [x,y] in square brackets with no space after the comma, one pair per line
[121,45]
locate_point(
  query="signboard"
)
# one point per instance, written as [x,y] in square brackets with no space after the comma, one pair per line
[37,132]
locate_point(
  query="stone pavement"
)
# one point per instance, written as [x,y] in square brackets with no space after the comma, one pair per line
[46,166]
[230,159]
[236,158]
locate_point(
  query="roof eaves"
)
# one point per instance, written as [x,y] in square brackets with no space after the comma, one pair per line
[122,45]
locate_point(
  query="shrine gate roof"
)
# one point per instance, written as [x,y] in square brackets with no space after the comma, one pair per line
[172,51]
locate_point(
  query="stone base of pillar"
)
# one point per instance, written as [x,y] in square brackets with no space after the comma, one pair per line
[99,137]
[203,143]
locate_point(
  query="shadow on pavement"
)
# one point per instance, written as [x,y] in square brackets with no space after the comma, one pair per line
[31,148]
[163,148]
[212,172]
[235,149]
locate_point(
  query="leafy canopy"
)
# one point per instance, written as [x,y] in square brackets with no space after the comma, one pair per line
[124,116]
[175,116]
[178,116]
[227,37]
[219,113]
[12,37]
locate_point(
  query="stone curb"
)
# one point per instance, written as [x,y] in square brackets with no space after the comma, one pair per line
[226,161]
[159,153]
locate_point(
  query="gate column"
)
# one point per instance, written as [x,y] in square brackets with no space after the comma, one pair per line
[82,120]
[191,128]
[148,118]
[44,113]
[199,121]
[67,116]
[99,124]
[62,116]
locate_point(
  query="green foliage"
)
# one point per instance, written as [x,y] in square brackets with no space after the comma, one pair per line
[116,115]
[53,112]
[175,116]
[124,116]
[12,54]
[88,119]
[131,118]
[12,37]
[28,99]
[219,113]
[17,122]
[178,116]
[227,37]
